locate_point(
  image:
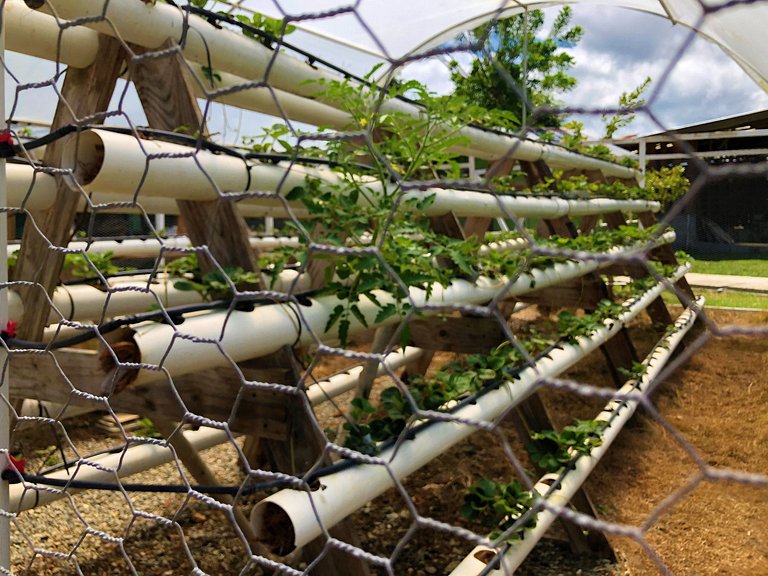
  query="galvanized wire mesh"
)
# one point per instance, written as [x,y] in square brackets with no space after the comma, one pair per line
[231,371]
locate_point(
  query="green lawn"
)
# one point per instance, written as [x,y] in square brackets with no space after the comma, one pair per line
[726,298]
[751,267]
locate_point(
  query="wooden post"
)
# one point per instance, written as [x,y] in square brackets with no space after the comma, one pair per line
[85,95]
[166,93]
[533,416]
[618,351]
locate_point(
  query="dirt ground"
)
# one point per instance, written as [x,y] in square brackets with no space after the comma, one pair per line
[714,421]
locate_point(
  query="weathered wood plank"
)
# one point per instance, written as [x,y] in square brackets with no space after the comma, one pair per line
[165,89]
[451,334]
[85,95]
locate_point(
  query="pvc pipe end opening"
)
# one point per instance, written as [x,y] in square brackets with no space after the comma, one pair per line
[84,155]
[273,528]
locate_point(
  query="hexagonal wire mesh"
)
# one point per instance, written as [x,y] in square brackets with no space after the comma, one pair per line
[353,348]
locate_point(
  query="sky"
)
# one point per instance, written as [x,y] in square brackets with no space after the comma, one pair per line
[619,50]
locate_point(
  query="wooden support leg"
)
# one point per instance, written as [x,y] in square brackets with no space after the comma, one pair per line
[535,417]
[86,94]
[298,453]
[381,339]
[200,471]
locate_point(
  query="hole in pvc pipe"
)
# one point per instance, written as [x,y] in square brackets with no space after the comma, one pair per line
[274,528]
[485,556]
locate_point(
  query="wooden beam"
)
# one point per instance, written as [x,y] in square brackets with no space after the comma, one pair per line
[451,334]
[164,86]
[535,418]
[85,96]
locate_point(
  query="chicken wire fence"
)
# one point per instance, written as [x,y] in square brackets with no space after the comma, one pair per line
[287,370]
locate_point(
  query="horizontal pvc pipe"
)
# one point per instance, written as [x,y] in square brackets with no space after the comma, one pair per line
[150,25]
[345,381]
[37,191]
[81,302]
[137,458]
[617,413]
[118,163]
[305,514]
[36,34]
[150,247]
[236,332]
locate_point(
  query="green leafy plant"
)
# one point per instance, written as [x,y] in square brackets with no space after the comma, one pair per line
[274,27]
[87,266]
[666,184]
[146,429]
[498,506]
[551,450]
[214,285]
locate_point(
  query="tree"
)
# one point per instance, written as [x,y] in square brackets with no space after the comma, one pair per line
[501,75]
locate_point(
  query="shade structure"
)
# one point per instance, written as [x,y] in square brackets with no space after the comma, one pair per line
[400,28]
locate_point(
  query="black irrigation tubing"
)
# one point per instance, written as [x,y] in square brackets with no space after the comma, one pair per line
[118,274]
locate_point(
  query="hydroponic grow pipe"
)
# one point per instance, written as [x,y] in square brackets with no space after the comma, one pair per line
[135,459]
[37,34]
[128,296]
[288,324]
[80,302]
[151,24]
[345,381]
[150,247]
[37,191]
[119,163]
[617,413]
[306,514]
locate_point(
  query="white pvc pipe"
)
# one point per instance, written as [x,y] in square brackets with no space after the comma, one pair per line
[118,163]
[111,162]
[83,302]
[344,492]
[22,178]
[135,459]
[234,331]
[150,25]
[37,34]
[150,247]
[345,381]
[80,302]
[36,190]
[617,412]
